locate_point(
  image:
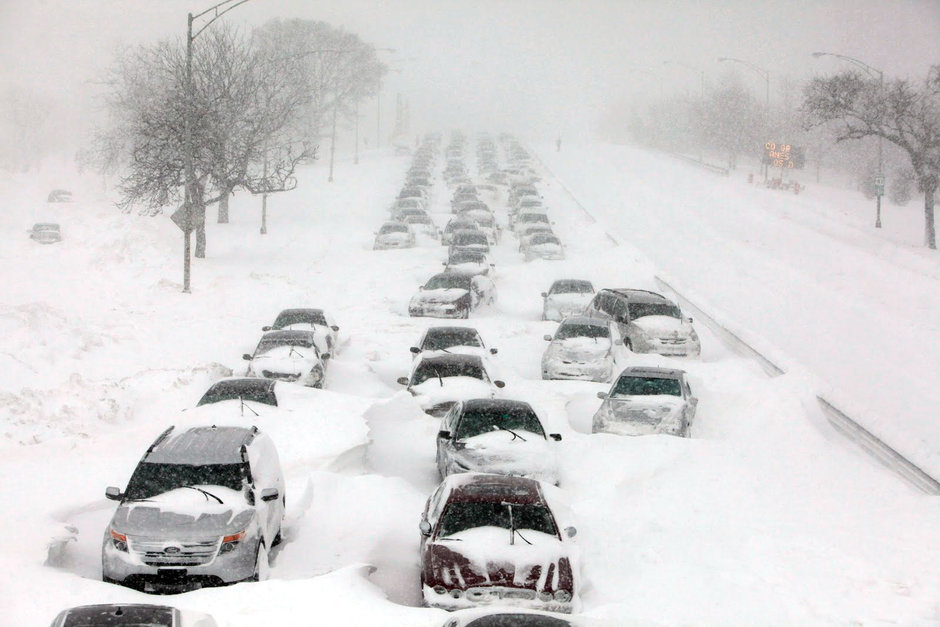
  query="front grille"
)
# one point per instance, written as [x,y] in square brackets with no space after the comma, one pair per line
[183,553]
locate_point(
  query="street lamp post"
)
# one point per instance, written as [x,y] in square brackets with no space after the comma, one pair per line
[765,74]
[879,183]
[701,72]
[189,156]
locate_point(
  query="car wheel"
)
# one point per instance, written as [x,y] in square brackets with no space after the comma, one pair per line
[262,565]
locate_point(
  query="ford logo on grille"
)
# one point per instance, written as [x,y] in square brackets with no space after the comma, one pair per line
[172,550]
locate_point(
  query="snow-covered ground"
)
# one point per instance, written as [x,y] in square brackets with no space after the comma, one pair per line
[764,516]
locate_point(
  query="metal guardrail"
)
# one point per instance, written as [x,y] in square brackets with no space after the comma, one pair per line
[870,443]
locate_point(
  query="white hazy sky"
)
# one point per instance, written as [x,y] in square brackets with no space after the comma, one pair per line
[530,66]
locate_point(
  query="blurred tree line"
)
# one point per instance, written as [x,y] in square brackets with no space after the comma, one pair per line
[261,102]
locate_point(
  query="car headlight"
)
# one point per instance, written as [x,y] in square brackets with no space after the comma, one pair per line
[230,542]
[562,596]
[118,540]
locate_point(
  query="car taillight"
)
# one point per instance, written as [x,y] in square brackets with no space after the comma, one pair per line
[118,540]
[231,541]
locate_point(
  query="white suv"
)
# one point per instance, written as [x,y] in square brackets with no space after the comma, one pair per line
[203,508]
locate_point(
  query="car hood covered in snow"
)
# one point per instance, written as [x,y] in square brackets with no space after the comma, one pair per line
[641,415]
[580,349]
[185,513]
[445,295]
[436,391]
[501,452]
[290,360]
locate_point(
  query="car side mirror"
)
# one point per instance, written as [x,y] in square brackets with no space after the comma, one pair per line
[499,384]
[335,327]
[113,494]
[425,527]
[689,319]
[555,436]
[267,328]
[547,338]
[420,288]
[493,351]
[246,357]
[443,263]
[444,435]
[324,356]
[544,294]
[402,380]
[602,395]
[269,494]
[415,350]
[571,532]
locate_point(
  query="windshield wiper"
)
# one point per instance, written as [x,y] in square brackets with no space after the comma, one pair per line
[437,371]
[206,493]
[512,526]
[245,406]
[514,434]
[294,351]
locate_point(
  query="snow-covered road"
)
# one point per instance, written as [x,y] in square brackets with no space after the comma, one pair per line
[764,516]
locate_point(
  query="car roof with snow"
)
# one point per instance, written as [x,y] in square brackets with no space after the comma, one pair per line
[201,445]
[486,488]
[651,371]
[640,296]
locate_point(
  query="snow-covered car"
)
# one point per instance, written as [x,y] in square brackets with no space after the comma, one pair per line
[520,190]
[394,235]
[407,204]
[443,340]
[203,508]
[59,195]
[320,322]
[470,262]
[438,381]
[493,540]
[422,224]
[469,240]
[45,233]
[527,231]
[645,400]
[566,297]
[452,295]
[529,216]
[456,224]
[241,389]
[131,615]
[499,436]
[582,348]
[288,356]
[485,220]
[543,246]
[648,322]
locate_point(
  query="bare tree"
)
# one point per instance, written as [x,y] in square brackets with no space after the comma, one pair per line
[906,115]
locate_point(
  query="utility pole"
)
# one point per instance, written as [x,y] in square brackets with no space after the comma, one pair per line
[880,176]
[356,159]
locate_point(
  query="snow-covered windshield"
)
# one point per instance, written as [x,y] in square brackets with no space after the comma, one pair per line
[393,228]
[646,386]
[433,370]
[533,217]
[267,343]
[572,287]
[466,256]
[150,479]
[448,281]
[504,619]
[257,390]
[456,225]
[641,310]
[473,422]
[566,331]
[467,238]
[287,318]
[544,238]
[439,340]
[462,516]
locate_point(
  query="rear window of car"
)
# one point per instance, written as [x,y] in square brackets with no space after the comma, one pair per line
[439,340]
[572,287]
[646,386]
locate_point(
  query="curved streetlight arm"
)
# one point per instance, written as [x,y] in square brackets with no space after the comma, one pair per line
[868,69]
[217,15]
[764,73]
